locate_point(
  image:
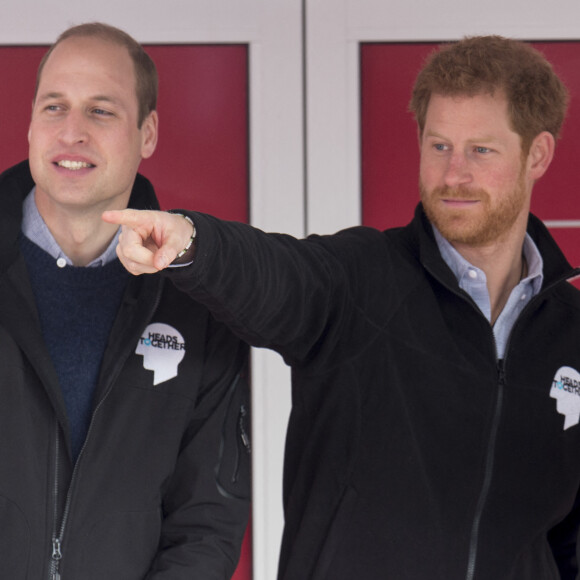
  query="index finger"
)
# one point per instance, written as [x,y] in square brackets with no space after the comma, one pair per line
[132,218]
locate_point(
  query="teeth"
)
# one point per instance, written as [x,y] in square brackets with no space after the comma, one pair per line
[74,165]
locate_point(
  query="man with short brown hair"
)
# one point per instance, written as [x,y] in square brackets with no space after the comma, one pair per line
[124,446]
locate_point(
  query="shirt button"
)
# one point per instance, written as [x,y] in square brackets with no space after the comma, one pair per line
[524,296]
[61,262]
[472,274]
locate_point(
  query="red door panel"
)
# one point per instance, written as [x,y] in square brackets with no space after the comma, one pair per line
[201,161]
[389,146]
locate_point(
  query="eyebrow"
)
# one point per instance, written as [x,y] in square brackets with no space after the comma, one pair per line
[481,139]
[57,95]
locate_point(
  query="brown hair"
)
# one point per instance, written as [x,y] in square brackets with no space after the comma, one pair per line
[537,98]
[145,71]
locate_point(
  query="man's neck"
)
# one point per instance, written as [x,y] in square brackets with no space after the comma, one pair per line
[82,240]
[79,231]
[504,266]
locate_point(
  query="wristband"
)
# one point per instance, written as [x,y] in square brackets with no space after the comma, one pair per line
[191,240]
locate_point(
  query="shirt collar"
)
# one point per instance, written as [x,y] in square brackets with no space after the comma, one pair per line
[461,267]
[36,230]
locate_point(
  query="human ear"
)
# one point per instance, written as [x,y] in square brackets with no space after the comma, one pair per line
[541,154]
[149,131]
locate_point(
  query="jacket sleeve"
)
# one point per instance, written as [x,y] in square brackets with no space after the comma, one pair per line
[206,503]
[295,296]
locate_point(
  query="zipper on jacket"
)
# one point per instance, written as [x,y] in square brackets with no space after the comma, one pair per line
[56,556]
[490,457]
[489,465]
[490,454]
[244,438]
[58,532]
[56,553]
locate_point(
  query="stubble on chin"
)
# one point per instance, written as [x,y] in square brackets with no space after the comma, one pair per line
[478,228]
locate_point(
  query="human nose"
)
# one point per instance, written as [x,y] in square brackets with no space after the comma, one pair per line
[458,170]
[74,128]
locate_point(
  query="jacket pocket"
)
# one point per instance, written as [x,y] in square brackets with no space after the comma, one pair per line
[234,469]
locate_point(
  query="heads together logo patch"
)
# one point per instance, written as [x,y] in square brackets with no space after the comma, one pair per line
[566,390]
[162,348]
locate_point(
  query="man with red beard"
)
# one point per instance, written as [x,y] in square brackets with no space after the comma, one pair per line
[434,432]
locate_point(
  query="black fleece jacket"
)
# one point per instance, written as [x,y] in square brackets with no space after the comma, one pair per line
[412,453]
[160,490]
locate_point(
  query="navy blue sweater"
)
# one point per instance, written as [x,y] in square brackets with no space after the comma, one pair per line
[77,307]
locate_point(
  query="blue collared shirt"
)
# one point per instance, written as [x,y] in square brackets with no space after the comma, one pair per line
[36,230]
[474,282]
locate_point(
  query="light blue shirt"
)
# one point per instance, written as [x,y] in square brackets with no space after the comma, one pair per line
[36,230]
[474,282]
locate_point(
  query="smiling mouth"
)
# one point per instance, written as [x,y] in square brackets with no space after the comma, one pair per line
[74,165]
